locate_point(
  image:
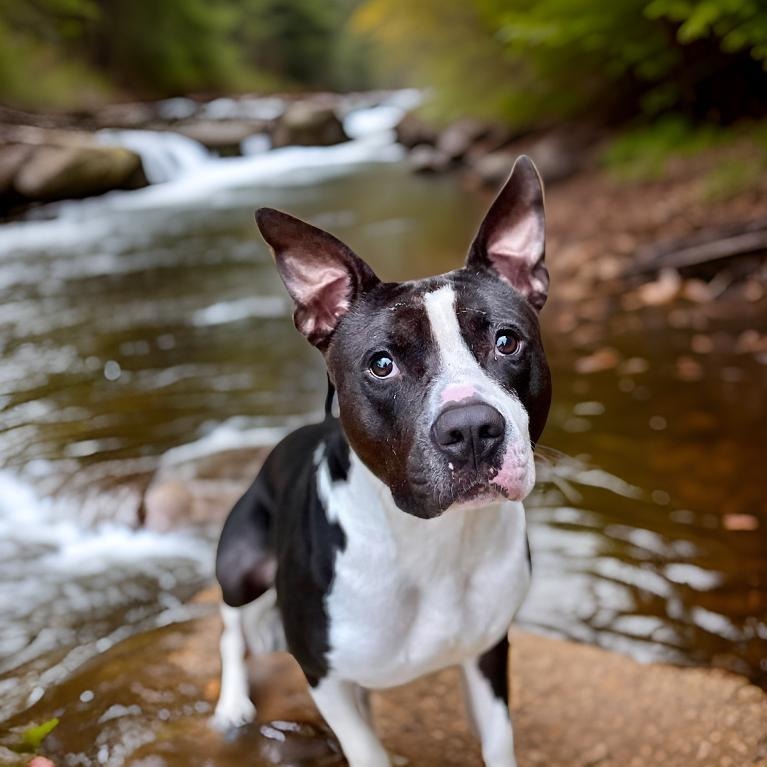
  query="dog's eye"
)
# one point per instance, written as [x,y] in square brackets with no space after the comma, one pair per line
[382,365]
[506,343]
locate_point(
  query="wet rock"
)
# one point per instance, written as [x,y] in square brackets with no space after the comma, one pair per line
[557,155]
[12,157]
[412,131]
[306,123]
[222,136]
[493,169]
[128,116]
[61,172]
[201,491]
[458,138]
[428,159]
[167,505]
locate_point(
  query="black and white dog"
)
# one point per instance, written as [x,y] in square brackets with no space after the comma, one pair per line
[391,542]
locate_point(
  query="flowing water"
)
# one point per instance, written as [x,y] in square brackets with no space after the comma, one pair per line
[151,324]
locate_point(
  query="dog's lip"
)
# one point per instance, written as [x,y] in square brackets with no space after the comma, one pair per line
[477,494]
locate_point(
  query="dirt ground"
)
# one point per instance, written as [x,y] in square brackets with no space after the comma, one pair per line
[579,706]
[573,706]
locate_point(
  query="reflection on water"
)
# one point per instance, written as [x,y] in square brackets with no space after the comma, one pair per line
[128,329]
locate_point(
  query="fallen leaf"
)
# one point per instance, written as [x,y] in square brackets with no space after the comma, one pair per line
[663,290]
[601,359]
[740,522]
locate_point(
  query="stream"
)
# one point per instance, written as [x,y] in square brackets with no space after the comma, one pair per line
[146,326]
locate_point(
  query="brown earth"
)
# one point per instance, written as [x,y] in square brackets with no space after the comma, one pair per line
[573,706]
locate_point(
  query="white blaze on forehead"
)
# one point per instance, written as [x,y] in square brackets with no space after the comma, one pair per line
[461,377]
[454,355]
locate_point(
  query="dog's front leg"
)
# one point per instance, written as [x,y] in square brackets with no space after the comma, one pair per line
[234,707]
[487,691]
[342,705]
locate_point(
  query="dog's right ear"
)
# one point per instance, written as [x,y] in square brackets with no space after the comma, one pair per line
[323,276]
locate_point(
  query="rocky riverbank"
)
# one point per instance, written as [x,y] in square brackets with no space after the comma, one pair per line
[147,702]
[50,157]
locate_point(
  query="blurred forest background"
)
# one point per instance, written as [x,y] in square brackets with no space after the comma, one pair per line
[519,62]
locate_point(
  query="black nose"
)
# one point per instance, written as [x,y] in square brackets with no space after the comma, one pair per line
[469,433]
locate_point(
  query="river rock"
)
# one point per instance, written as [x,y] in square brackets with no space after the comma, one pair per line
[167,506]
[306,123]
[222,136]
[556,154]
[412,131]
[428,159]
[57,172]
[128,116]
[493,169]
[458,138]
[12,156]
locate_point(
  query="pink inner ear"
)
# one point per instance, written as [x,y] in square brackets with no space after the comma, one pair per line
[515,251]
[321,293]
[520,245]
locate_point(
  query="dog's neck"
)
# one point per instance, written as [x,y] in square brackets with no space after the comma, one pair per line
[363,502]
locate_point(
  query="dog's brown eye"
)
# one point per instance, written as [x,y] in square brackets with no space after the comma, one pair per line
[382,365]
[506,343]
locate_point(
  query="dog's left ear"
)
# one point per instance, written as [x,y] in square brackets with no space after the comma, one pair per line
[323,276]
[511,240]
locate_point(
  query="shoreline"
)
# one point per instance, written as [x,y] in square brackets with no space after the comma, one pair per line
[573,706]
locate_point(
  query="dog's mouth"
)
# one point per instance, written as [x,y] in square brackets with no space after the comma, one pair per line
[481,494]
[512,481]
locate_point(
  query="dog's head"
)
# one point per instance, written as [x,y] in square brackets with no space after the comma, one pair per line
[442,383]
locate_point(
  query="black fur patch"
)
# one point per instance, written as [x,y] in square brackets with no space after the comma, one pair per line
[494,666]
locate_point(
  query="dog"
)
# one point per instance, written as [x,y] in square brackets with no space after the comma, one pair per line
[390,542]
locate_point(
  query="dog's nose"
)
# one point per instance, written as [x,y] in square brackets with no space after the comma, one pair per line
[468,433]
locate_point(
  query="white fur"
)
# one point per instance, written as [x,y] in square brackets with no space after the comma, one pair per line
[410,595]
[234,707]
[257,627]
[459,370]
[491,719]
[340,704]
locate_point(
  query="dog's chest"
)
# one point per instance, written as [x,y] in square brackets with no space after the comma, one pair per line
[410,596]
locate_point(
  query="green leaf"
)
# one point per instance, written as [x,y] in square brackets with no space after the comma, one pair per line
[32,737]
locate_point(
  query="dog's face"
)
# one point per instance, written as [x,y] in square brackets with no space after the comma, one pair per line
[442,383]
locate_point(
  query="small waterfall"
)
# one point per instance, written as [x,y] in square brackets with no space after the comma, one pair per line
[165,155]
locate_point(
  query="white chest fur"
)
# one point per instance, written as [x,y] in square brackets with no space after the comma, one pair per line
[410,595]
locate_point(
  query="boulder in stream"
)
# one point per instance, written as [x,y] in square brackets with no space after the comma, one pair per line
[39,165]
[60,172]
[306,123]
[224,137]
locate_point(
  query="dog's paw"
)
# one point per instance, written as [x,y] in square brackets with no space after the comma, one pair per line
[230,714]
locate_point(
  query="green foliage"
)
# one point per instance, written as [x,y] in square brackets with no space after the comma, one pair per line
[532,61]
[32,737]
[641,153]
[733,178]
[76,48]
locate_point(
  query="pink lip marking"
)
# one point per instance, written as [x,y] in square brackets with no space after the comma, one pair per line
[457,392]
[512,477]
